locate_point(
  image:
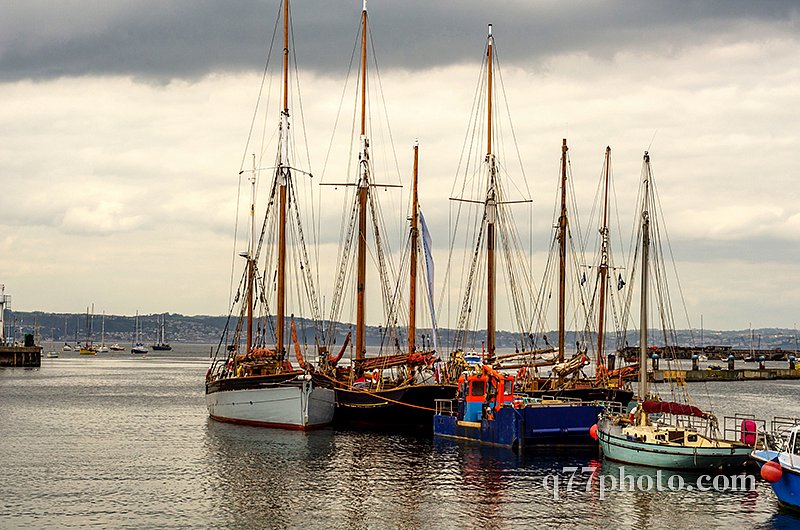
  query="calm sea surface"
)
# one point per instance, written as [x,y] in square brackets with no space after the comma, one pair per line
[113,441]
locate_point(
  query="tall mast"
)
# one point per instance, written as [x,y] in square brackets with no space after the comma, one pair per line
[251,258]
[562,253]
[643,305]
[283,177]
[3,301]
[363,188]
[491,214]
[603,262]
[412,303]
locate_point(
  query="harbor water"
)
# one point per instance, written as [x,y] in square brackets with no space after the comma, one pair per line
[118,442]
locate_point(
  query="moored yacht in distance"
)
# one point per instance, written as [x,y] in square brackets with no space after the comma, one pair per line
[138,347]
[162,344]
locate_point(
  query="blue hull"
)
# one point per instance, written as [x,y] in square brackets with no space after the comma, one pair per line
[787,489]
[548,425]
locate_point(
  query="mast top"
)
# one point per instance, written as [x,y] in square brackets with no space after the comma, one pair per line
[416,142]
[490,26]
[364,6]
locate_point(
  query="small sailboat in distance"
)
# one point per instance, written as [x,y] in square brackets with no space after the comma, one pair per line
[87,348]
[138,347]
[103,348]
[162,344]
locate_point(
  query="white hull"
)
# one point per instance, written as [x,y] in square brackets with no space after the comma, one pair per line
[297,404]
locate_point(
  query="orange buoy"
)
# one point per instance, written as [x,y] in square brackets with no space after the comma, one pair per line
[593,431]
[771,472]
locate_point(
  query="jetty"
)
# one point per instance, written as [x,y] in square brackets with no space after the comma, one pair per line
[24,356]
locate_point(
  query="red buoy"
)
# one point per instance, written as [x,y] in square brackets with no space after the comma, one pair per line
[771,472]
[593,431]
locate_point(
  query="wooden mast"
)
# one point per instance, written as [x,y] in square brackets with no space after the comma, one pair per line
[363,188]
[283,177]
[491,214]
[562,254]
[412,304]
[643,304]
[251,258]
[603,272]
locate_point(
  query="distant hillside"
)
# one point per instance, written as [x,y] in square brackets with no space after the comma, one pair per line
[204,329]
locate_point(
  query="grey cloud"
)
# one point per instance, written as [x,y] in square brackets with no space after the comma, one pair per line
[159,41]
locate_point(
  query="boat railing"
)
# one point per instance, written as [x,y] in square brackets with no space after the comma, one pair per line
[567,400]
[743,428]
[612,407]
[445,407]
[691,423]
[779,431]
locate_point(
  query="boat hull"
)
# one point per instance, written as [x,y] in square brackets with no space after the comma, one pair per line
[615,446]
[617,395]
[565,425]
[408,408]
[787,489]
[297,403]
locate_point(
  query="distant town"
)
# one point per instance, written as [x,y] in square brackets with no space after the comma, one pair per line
[206,329]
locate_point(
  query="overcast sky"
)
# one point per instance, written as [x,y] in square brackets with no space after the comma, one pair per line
[123,127]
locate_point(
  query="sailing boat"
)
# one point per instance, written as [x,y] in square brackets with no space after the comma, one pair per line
[88,348]
[567,379]
[487,410]
[388,391]
[644,436]
[162,344]
[66,347]
[252,384]
[138,347]
[103,348]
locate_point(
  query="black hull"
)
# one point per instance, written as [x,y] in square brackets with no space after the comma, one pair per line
[587,394]
[405,409]
[162,347]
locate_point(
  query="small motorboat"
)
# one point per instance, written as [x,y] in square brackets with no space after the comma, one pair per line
[52,355]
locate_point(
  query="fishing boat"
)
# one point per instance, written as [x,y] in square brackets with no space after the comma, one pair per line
[393,389]
[251,381]
[162,344]
[663,434]
[487,410]
[779,460]
[138,347]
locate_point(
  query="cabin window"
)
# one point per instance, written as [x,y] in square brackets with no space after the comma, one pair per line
[796,444]
[660,437]
[508,388]
[691,437]
[478,388]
